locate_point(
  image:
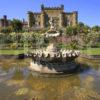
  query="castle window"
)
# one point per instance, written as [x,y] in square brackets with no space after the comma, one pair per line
[68,22]
[39,23]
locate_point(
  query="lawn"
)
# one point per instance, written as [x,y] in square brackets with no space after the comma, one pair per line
[91,51]
[12,52]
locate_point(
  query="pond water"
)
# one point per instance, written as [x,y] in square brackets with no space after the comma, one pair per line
[17,82]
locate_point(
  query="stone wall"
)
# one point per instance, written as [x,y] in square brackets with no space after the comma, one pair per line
[61,18]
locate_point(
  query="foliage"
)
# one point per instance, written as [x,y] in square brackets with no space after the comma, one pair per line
[72,45]
[6,29]
[89,40]
[96,28]
[81,36]
[78,29]
[82,28]
[26,39]
[17,25]
[69,30]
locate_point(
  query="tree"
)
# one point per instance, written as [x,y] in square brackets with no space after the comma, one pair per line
[72,30]
[17,25]
[82,28]
[96,28]
[81,24]
[69,30]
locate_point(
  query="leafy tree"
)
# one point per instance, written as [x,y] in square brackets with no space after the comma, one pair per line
[81,24]
[96,28]
[82,28]
[69,30]
[17,25]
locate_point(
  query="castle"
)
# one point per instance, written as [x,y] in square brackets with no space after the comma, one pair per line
[4,22]
[60,17]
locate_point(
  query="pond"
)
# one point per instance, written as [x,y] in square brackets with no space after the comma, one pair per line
[17,82]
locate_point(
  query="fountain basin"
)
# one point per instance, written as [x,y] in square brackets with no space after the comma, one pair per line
[53,65]
[53,68]
[53,61]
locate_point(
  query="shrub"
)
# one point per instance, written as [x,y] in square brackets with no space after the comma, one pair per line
[6,29]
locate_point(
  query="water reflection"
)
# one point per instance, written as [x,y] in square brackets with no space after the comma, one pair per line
[17,82]
[54,88]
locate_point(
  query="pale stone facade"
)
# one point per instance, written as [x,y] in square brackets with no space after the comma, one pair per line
[60,18]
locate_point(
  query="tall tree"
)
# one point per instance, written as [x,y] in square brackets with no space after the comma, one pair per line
[69,30]
[96,28]
[82,28]
[17,25]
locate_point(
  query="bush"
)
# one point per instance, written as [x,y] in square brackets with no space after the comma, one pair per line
[13,46]
[17,25]
[6,30]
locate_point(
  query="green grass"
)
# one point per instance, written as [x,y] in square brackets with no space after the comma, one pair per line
[12,52]
[91,51]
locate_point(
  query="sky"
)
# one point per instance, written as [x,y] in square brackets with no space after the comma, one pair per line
[88,10]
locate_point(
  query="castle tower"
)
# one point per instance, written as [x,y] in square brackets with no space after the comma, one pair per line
[43,19]
[30,19]
[5,21]
[42,7]
[61,20]
[62,7]
[1,23]
[74,18]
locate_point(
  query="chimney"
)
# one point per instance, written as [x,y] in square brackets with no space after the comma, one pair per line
[42,7]
[5,17]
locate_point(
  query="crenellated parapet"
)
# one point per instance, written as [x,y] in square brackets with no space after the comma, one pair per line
[52,8]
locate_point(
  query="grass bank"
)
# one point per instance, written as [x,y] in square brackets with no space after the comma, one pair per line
[91,51]
[12,52]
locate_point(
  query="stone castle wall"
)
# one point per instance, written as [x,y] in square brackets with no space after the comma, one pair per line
[4,22]
[61,18]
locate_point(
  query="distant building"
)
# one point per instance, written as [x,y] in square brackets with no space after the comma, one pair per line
[60,17]
[4,22]
[25,24]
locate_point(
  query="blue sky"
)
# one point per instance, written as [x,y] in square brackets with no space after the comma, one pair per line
[89,10]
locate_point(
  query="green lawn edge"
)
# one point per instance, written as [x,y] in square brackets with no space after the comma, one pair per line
[89,51]
[12,52]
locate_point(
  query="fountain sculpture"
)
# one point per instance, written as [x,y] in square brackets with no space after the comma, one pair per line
[52,32]
[51,60]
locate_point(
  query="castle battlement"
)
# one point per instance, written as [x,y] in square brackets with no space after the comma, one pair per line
[52,8]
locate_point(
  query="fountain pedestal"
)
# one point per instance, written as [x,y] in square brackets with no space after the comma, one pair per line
[52,32]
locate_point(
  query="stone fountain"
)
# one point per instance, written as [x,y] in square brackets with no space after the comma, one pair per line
[51,60]
[52,32]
